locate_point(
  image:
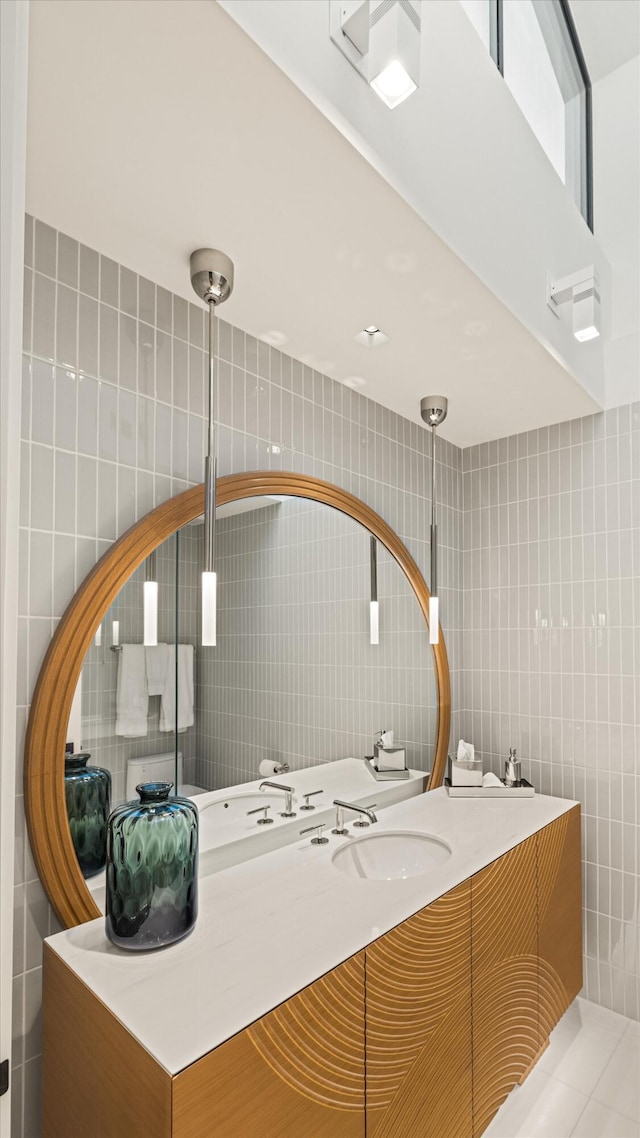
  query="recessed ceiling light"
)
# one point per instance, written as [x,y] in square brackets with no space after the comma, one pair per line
[371,336]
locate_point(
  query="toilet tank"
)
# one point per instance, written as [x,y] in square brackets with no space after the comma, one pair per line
[152,768]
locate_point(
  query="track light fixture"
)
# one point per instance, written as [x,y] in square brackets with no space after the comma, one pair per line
[582,290]
[381,40]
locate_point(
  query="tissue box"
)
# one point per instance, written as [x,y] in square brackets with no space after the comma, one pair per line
[465,774]
[390,760]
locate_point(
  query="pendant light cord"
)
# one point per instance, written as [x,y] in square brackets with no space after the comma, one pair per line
[210,466]
[433,584]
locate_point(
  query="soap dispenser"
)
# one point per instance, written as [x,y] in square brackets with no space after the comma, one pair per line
[512,771]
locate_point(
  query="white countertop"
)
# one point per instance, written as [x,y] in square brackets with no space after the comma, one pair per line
[269,927]
[228,837]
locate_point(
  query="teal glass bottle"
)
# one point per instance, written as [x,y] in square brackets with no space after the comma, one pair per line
[152,869]
[88,797]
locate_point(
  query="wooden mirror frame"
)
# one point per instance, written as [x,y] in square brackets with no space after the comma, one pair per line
[44,791]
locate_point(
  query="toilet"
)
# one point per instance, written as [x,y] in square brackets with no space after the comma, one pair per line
[158,768]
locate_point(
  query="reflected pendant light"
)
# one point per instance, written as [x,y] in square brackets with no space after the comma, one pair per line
[374,626]
[433,409]
[212,280]
[150,603]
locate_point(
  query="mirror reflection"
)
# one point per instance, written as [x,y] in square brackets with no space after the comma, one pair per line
[294,678]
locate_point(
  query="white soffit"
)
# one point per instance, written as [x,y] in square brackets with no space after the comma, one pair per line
[157,128]
[609,33]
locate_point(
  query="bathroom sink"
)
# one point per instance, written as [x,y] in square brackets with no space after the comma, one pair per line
[235,807]
[391,856]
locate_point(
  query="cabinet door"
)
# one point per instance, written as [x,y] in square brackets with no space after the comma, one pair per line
[505,978]
[296,1073]
[418,1024]
[559,918]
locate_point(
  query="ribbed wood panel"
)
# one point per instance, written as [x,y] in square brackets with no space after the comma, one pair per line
[296,1073]
[418,1005]
[506,1037]
[559,917]
[315,1042]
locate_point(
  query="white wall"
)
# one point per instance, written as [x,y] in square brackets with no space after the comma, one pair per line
[616,144]
[493,195]
[14,21]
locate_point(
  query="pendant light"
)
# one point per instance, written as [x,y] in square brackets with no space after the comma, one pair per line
[374,626]
[212,280]
[433,409]
[150,603]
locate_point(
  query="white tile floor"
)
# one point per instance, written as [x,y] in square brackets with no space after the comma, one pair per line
[586,1084]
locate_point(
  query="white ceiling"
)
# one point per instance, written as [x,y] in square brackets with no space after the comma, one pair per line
[156,128]
[609,33]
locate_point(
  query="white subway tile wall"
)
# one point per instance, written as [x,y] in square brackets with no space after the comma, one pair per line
[551,651]
[113,404]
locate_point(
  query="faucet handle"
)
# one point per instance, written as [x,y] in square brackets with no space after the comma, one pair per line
[339,827]
[308,805]
[361,822]
[265,820]
[319,839]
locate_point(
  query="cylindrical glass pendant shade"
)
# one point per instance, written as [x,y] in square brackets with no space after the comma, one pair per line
[150,595]
[374,622]
[209,610]
[434,621]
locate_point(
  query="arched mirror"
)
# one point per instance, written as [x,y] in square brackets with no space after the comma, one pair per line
[294,678]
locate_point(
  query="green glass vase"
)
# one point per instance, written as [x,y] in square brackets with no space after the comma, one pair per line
[152,869]
[88,797]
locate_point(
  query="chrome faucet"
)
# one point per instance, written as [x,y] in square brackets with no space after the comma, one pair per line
[288,812]
[340,827]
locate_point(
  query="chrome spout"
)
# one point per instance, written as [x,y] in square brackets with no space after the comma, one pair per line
[288,811]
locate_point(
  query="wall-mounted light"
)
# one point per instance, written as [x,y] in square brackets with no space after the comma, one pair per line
[115,633]
[97,640]
[374,615]
[212,280]
[381,39]
[433,409]
[150,603]
[582,290]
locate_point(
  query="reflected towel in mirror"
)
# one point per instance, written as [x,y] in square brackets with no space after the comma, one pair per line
[157,659]
[185,691]
[132,698]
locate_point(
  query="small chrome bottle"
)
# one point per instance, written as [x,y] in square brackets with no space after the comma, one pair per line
[512,770]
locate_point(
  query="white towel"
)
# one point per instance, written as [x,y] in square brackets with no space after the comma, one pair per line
[157,659]
[132,699]
[185,690]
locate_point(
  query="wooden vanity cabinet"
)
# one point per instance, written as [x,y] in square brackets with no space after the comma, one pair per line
[418,1024]
[506,1037]
[296,1073]
[421,1035]
[526,916]
[559,918]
